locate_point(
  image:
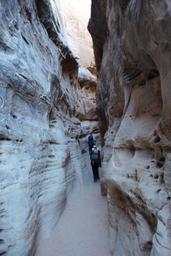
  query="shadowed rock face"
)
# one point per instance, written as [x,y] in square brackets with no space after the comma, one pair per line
[38,105]
[134,103]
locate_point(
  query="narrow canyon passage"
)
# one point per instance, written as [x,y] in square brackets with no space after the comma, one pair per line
[69,69]
[83,227]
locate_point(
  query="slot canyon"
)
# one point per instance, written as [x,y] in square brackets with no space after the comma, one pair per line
[69,69]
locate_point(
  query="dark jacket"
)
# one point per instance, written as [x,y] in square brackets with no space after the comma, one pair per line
[90,140]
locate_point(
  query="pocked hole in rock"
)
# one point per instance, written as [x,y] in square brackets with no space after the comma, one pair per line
[132,150]
[14,116]
[156,139]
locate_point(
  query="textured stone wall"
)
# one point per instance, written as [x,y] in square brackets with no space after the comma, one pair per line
[75,15]
[134,104]
[39,91]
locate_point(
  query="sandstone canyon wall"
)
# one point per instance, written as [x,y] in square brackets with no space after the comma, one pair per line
[74,18]
[39,109]
[132,50]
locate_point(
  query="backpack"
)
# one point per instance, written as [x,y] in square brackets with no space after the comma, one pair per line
[95,156]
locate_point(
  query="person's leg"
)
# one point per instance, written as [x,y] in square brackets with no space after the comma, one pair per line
[98,173]
[94,172]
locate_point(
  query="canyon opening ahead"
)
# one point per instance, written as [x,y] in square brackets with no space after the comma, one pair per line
[69,69]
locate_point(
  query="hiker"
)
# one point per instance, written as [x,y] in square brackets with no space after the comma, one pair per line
[95,162]
[77,137]
[81,130]
[91,142]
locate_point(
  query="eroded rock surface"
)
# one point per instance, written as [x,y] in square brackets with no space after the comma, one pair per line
[39,91]
[75,15]
[134,104]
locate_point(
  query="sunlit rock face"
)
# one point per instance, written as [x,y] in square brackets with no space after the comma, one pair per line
[132,49]
[38,109]
[74,18]
[87,95]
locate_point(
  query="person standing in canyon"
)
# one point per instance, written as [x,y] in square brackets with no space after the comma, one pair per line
[91,142]
[95,162]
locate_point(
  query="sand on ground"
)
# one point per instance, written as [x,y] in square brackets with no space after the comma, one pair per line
[83,226]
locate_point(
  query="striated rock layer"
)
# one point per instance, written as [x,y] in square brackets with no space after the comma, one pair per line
[132,50]
[39,91]
[75,15]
